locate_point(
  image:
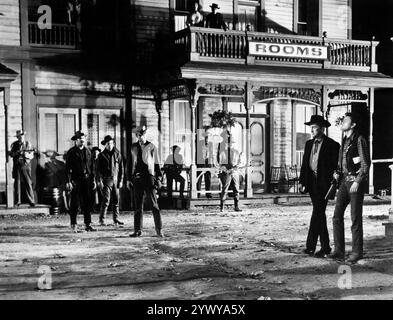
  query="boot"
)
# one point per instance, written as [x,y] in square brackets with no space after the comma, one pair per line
[160,234]
[237,209]
[222,203]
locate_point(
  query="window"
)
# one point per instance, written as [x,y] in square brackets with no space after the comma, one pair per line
[97,123]
[182,129]
[307,17]
[182,9]
[303,113]
[248,15]
[57,126]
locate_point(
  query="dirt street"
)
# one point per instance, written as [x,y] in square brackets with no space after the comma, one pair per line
[206,255]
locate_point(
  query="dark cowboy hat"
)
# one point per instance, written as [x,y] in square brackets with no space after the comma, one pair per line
[94,149]
[214,5]
[320,120]
[78,135]
[106,140]
[141,130]
[20,133]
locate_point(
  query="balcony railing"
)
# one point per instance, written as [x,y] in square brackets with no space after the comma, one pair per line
[215,45]
[60,35]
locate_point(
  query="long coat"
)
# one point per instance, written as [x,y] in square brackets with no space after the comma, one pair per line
[327,164]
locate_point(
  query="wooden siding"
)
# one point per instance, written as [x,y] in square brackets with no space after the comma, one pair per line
[335,15]
[9,23]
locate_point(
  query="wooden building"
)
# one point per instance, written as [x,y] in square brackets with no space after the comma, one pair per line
[134,62]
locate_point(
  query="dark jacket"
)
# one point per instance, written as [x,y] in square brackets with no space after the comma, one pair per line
[110,169]
[327,164]
[149,158]
[357,149]
[76,168]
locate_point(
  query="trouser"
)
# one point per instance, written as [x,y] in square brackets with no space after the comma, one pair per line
[23,185]
[110,191]
[226,180]
[81,198]
[177,178]
[345,197]
[207,176]
[143,187]
[318,225]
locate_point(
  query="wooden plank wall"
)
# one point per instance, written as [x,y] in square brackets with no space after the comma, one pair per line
[335,18]
[9,23]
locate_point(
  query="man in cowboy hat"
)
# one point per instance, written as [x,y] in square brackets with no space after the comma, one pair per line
[80,181]
[229,160]
[144,177]
[214,19]
[110,174]
[319,162]
[22,153]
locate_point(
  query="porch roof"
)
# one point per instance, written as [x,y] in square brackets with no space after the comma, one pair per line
[285,75]
[6,74]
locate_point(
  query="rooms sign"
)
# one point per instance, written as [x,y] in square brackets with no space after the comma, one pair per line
[288,50]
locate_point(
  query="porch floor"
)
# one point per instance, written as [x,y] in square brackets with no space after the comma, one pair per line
[39,209]
[263,199]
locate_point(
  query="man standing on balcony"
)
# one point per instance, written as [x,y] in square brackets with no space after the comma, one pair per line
[22,153]
[354,165]
[110,176]
[214,19]
[195,17]
[319,162]
[144,177]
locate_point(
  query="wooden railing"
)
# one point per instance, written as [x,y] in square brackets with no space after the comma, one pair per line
[215,45]
[60,35]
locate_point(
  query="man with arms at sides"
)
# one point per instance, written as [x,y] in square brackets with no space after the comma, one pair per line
[319,162]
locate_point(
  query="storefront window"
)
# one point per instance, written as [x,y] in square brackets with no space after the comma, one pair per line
[303,113]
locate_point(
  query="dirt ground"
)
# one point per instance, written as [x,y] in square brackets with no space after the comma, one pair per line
[255,254]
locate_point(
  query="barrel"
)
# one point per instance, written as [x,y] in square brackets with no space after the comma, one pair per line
[52,198]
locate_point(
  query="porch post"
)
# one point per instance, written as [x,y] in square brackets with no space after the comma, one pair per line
[371,110]
[248,192]
[8,170]
[194,99]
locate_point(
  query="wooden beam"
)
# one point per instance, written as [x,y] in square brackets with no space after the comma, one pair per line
[248,192]
[371,139]
[8,169]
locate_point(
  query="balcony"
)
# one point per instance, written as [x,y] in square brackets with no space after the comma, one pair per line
[60,36]
[219,46]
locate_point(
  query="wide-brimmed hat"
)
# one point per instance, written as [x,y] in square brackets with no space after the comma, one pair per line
[141,130]
[94,149]
[106,140]
[78,135]
[319,120]
[214,5]
[20,133]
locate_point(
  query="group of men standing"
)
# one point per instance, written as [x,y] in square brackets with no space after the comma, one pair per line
[325,163]
[107,174]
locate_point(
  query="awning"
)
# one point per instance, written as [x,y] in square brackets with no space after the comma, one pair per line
[285,75]
[6,75]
